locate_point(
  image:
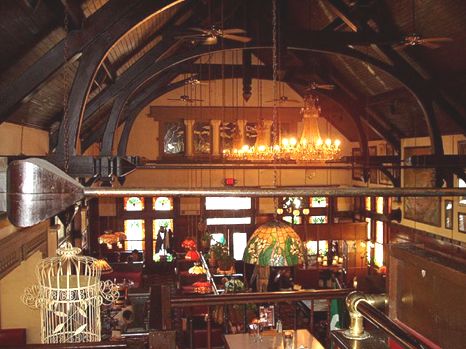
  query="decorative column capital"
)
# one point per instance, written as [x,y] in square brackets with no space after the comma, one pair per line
[215,123]
[189,122]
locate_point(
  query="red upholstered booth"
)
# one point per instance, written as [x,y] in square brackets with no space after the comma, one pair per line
[12,337]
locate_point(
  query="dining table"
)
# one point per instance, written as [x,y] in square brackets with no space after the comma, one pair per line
[301,339]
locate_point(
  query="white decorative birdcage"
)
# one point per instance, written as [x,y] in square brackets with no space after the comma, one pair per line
[69,295]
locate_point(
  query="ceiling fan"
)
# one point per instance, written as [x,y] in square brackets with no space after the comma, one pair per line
[185,98]
[417,40]
[283,99]
[194,82]
[316,86]
[210,36]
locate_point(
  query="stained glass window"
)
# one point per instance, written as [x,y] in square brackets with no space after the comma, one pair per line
[311,247]
[228,220]
[133,203]
[217,238]
[369,238]
[378,249]
[292,202]
[293,219]
[318,219]
[368,203]
[323,247]
[227,133]
[162,203]
[250,134]
[161,247]
[173,140]
[240,240]
[135,234]
[201,137]
[462,184]
[379,204]
[449,214]
[227,203]
[318,201]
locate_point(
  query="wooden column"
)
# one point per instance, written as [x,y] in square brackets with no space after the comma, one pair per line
[215,124]
[189,123]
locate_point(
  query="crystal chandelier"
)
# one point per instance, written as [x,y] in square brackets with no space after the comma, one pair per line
[310,146]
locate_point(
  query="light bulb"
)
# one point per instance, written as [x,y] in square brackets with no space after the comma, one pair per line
[319,142]
[337,143]
[261,148]
[328,142]
[303,141]
[296,212]
[285,142]
[279,210]
[305,211]
[293,141]
[245,147]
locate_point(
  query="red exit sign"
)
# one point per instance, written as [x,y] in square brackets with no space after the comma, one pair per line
[229,181]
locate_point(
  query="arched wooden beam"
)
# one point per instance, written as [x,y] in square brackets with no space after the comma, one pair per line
[91,60]
[423,90]
[133,111]
[131,91]
[328,48]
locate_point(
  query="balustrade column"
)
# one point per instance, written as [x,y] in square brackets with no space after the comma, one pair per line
[189,123]
[215,125]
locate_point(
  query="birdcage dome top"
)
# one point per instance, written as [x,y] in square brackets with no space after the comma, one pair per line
[68,269]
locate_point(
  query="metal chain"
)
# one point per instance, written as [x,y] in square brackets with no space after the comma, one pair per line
[274,89]
[66,154]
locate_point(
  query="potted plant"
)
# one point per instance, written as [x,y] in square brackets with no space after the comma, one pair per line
[226,264]
[205,240]
[216,251]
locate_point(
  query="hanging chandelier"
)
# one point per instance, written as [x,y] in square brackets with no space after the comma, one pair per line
[309,147]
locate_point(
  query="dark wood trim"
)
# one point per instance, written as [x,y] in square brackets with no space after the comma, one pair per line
[20,245]
[445,247]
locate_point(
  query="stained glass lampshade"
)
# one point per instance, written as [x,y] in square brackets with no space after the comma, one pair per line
[274,243]
[104,266]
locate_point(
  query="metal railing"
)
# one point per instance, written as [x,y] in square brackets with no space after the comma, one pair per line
[365,306]
[210,302]
[208,274]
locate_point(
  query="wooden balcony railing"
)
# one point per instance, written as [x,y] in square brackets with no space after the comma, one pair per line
[210,302]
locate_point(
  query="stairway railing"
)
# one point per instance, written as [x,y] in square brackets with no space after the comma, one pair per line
[208,274]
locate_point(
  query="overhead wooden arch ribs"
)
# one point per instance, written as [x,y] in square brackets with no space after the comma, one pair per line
[151,71]
[96,53]
[91,60]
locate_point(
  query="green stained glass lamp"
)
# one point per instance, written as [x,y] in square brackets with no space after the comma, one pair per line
[275,244]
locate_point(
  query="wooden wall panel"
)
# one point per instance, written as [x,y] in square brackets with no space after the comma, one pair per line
[427,294]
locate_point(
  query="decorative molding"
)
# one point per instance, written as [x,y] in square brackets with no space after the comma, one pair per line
[20,245]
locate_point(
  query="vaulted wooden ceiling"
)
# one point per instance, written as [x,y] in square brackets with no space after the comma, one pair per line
[106,59]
